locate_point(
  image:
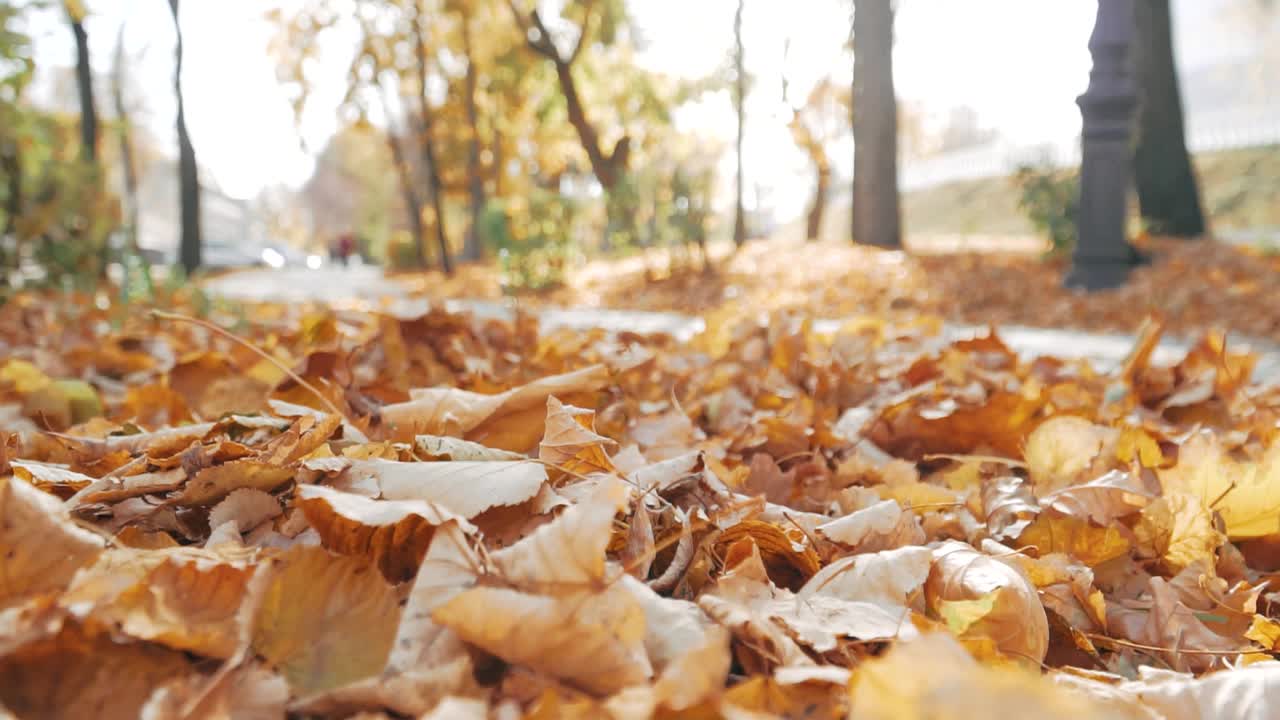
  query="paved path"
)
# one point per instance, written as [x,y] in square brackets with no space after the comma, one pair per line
[1106,351]
[295,284]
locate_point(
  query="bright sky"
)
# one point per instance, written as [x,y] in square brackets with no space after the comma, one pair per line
[1018,63]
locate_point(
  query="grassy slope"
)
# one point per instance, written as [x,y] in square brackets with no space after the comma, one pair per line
[1240,190]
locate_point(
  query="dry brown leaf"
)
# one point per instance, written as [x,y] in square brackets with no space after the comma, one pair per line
[212,386]
[1244,693]
[392,534]
[592,640]
[662,437]
[247,508]
[787,553]
[47,477]
[933,677]
[1009,506]
[188,602]
[890,578]
[569,552]
[33,567]
[466,488]
[571,443]
[214,483]
[247,693]
[1180,530]
[689,654]
[815,620]
[1245,494]
[979,595]
[440,447]
[1104,499]
[1090,544]
[326,620]
[1063,447]
[882,526]
[914,428]
[408,694]
[1171,624]
[115,489]
[506,421]
[83,673]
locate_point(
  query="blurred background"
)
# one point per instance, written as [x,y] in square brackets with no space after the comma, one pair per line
[424,133]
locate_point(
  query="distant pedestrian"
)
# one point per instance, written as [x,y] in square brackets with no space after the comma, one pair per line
[346,247]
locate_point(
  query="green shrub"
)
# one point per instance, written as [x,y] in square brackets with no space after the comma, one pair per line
[1049,198]
[532,238]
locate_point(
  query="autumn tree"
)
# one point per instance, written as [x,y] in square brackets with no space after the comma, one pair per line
[84,82]
[814,124]
[472,246]
[419,30]
[739,103]
[876,214]
[188,172]
[124,136]
[1168,196]
[608,166]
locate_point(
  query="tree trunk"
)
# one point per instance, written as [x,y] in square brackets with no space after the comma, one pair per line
[412,205]
[472,247]
[813,226]
[604,167]
[876,214]
[126,144]
[11,169]
[1166,182]
[434,186]
[84,83]
[188,172]
[610,168]
[739,101]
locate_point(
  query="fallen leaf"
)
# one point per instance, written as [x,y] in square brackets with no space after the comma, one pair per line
[32,568]
[1090,544]
[1061,448]
[1009,506]
[890,578]
[466,488]
[1012,615]
[570,552]
[247,693]
[215,483]
[506,421]
[326,620]
[438,447]
[1246,494]
[392,534]
[83,673]
[247,508]
[593,640]
[787,554]
[570,442]
[1180,530]
[882,526]
[933,677]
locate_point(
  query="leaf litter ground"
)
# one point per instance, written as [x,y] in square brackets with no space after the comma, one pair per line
[364,513]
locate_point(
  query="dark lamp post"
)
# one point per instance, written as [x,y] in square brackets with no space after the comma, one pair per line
[1103,256]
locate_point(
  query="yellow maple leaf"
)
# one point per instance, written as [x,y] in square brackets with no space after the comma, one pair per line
[1245,493]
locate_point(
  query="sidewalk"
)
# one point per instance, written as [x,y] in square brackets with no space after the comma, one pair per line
[367,283]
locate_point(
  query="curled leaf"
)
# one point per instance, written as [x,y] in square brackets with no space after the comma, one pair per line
[1001,601]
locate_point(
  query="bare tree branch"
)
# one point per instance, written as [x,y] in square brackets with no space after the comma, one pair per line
[588,14]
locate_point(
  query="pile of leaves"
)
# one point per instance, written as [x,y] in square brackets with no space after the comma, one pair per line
[1234,287]
[421,514]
